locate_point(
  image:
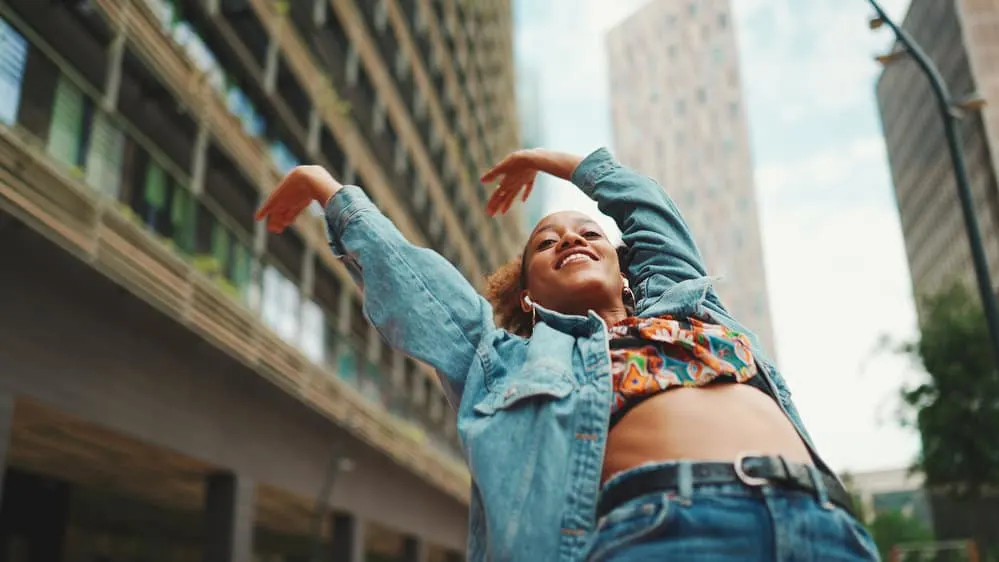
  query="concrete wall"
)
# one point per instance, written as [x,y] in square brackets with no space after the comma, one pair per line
[71,339]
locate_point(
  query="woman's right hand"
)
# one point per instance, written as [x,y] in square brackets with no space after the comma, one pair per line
[297,190]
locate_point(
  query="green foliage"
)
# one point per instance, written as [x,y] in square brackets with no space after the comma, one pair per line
[893,527]
[956,408]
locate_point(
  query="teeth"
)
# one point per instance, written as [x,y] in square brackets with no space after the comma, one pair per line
[574,258]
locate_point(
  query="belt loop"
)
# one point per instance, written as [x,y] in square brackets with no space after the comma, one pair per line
[685,481]
[821,493]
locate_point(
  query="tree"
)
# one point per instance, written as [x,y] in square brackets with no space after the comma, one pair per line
[892,528]
[956,407]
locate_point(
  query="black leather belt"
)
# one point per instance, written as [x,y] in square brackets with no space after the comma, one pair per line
[747,470]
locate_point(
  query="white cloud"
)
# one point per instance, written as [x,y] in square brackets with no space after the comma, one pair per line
[822,169]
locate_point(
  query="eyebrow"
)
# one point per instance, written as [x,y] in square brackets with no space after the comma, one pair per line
[578,223]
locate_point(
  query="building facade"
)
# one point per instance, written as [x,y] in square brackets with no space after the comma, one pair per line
[961,37]
[176,383]
[892,490]
[678,116]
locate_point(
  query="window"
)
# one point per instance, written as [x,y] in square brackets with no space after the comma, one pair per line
[103,168]
[436,141]
[672,51]
[353,65]
[312,339]
[717,55]
[381,16]
[240,105]
[733,109]
[378,116]
[693,8]
[13,58]
[702,95]
[400,159]
[282,156]
[162,204]
[681,107]
[281,304]
[722,21]
[419,104]
[420,194]
[401,64]
[69,128]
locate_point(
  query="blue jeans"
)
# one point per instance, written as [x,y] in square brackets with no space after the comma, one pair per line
[729,522]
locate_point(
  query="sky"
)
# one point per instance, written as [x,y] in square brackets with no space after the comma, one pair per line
[836,269]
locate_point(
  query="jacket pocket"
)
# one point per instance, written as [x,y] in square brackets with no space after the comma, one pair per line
[515,393]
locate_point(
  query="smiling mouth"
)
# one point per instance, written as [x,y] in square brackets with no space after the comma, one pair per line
[575,256]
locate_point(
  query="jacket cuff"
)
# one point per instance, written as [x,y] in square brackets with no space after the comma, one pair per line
[342,207]
[592,168]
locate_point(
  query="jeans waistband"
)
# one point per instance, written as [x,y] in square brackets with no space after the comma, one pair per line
[681,477]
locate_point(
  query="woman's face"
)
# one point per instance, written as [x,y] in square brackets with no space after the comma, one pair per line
[571,266]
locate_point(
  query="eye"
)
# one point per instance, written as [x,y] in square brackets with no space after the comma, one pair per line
[592,235]
[544,244]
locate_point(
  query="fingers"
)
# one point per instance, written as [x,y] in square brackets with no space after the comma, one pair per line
[507,191]
[505,166]
[527,190]
[498,170]
[267,207]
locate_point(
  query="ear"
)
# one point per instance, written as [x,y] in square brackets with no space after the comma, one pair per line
[526,304]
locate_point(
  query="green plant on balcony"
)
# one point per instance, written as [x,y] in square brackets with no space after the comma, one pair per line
[208,265]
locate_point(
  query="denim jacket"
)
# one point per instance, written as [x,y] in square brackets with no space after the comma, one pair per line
[533,413]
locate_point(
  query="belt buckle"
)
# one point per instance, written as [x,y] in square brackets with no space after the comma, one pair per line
[740,472]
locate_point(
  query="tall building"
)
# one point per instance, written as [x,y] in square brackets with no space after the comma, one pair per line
[961,38]
[678,116]
[533,136]
[176,382]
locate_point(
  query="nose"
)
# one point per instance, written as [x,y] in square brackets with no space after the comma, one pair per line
[570,239]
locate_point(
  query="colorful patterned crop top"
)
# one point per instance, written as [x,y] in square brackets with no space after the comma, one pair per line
[652,355]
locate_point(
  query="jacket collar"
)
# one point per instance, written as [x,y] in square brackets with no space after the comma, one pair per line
[569,323]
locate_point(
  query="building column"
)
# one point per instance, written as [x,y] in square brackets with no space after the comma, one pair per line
[112,82]
[348,538]
[271,66]
[413,549]
[228,518]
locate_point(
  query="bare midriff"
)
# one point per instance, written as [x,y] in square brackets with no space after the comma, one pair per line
[710,423]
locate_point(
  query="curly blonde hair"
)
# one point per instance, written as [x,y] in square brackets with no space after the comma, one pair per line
[505,286]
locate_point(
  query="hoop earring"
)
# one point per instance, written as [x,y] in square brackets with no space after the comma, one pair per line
[534,309]
[629,295]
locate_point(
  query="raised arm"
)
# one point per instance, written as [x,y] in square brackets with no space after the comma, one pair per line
[415,298]
[659,241]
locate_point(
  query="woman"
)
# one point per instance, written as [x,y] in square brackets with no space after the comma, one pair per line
[617,412]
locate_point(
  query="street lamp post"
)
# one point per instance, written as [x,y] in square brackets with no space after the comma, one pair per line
[951,112]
